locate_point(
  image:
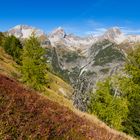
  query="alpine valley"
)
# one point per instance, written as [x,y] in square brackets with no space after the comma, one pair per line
[82,61]
[60,86]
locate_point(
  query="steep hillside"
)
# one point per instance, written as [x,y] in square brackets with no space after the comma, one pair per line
[82,71]
[25,114]
[9,68]
[71,41]
[7,65]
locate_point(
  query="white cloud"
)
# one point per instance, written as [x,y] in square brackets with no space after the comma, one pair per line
[93,27]
[129,31]
[96,32]
[125,30]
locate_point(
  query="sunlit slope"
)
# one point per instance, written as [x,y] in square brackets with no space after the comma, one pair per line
[25,114]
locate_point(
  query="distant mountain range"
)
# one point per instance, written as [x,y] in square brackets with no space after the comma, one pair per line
[82,61]
[60,36]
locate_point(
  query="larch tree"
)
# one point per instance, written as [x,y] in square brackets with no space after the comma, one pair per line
[34,66]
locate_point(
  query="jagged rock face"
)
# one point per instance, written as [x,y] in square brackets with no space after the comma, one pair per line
[83,72]
[58,37]
[82,44]
[25,31]
[114,35]
[58,33]
[104,60]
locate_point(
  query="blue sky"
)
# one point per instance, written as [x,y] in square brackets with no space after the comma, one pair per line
[81,17]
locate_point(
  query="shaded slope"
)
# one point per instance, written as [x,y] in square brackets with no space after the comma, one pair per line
[24,114]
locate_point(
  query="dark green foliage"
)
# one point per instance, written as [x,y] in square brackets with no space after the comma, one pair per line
[107,55]
[122,111]
[90,73]
[71,56]
[99,45]
[13,47]
[110,108]
[105,70]
[34,64]
[130,87]
[107,52]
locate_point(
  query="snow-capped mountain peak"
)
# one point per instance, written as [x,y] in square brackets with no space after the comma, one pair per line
[71,41]
[25,31]
[115,35]
[113,32]
[58,33]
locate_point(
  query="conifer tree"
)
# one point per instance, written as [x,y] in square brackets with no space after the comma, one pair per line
[34,64]
[13,47]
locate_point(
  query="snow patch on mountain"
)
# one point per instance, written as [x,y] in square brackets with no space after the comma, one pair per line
[115,35]
[59,37]
[25,31]
[71,41]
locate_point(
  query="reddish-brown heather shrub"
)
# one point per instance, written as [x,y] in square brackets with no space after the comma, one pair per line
[25,115]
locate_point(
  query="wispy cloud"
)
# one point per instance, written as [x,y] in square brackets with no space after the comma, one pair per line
[129,31]
[125,30]
[96,32]
[95,28]
[85,27]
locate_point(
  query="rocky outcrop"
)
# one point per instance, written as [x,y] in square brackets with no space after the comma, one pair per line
[103,59]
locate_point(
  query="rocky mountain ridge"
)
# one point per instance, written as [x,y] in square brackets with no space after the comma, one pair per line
[24,31]
[83,61]
[59,36]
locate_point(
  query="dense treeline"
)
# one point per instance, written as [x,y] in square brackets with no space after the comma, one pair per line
[129,86]
[108,106]
[117,100]
[30,56]
[13,47]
